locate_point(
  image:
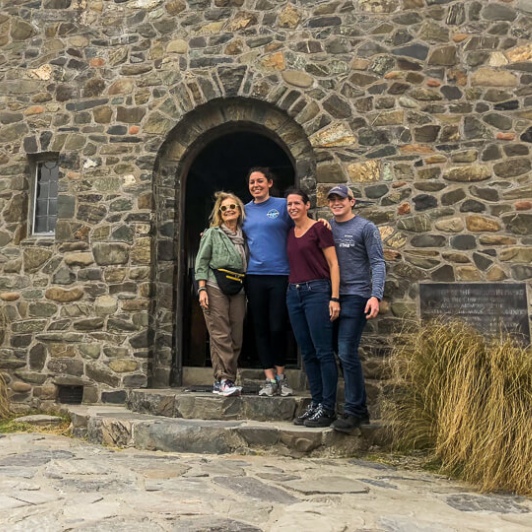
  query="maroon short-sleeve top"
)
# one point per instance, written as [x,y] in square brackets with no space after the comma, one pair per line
[305,254]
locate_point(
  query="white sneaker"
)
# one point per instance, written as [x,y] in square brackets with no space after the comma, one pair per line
[228,388]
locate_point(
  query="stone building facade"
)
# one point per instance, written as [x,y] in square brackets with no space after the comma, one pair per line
[423,106]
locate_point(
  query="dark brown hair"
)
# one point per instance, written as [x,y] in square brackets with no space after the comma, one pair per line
[298,192]
[266,172]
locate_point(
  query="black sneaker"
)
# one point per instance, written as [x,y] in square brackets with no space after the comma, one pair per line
[320,418]
[300,420]
[347,423]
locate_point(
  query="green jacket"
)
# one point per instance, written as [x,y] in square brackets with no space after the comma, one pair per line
[216,251]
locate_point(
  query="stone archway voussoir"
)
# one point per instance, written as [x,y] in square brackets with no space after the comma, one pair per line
[183,99]
[212,118]
[174,151]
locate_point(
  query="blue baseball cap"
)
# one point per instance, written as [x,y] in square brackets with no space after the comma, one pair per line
[341,190]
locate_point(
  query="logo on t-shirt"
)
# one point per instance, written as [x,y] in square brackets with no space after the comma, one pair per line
[347,242]
[274,213]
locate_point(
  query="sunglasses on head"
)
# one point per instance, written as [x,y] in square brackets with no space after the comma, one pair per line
[232,207]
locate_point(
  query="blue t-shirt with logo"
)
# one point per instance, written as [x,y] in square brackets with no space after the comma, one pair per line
[266,227]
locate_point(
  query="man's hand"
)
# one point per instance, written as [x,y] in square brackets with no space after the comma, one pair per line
[372,308]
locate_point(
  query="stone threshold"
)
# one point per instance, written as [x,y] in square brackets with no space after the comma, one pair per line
[117,426]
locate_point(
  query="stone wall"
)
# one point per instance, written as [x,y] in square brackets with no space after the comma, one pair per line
[423,106]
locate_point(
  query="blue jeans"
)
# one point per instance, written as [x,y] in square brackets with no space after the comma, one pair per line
[308,308]
[348,329]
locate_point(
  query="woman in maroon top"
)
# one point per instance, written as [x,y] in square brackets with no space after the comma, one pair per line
[313,301]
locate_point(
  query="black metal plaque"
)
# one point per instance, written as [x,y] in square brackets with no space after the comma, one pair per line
[491,308]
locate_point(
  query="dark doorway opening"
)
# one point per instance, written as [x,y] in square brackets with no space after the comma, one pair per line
[223,165]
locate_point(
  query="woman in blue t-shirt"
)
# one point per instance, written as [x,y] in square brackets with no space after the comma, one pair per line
[266,227]
[313,300]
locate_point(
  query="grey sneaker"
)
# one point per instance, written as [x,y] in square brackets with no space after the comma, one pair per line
[269,388]
[216,387]
[283,388]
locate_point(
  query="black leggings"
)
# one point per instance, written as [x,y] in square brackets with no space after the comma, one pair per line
[267,302]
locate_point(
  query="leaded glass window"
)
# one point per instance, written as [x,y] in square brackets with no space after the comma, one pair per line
[45,197]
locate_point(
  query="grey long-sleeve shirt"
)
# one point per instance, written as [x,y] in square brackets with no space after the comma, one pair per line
[359,249]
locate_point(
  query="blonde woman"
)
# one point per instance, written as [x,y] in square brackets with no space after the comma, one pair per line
[223,246]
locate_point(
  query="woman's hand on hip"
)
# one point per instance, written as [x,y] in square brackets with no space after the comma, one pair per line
[334,310]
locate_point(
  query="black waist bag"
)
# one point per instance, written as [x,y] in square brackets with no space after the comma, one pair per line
[230,282]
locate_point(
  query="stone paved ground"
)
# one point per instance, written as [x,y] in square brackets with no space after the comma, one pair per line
[52,483]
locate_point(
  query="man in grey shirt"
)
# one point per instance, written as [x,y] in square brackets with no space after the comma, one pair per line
[362,273]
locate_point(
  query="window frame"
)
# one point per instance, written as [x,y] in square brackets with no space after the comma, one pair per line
[36,164]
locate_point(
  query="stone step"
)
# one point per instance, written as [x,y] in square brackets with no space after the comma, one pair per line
[180,403]
[117,426]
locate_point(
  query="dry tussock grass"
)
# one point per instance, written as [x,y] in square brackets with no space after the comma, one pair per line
[469,400]
[4,395]
[4,399]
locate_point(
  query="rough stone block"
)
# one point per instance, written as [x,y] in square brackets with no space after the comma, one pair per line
[187,436]
[152,402]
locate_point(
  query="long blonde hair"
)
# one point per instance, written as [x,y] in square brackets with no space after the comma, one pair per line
[216,217]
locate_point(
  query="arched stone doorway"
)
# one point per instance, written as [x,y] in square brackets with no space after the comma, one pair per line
[210,149]
[223,165]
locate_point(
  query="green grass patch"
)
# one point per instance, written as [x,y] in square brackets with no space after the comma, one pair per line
[12,425]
